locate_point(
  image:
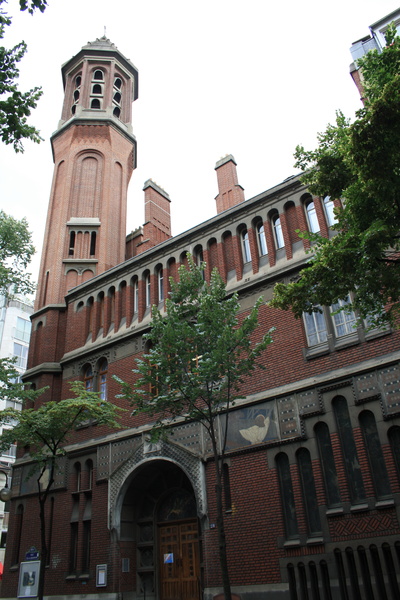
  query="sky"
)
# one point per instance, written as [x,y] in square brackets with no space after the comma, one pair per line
[249,78]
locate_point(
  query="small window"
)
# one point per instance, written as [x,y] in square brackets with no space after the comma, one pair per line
[135,297]
[78,81]
[345,320]
[262,242]
[329,211]
[276,222]
[312,217]
[76,95]
[95,103]
[88,379]
[315,326]
[117,112]
[160,282]
[118,83]
[147,283]
[93,243]
[23,330]
[103,380]
[99,75]
[246,246]
[97,89]
[117,98]
[21,354]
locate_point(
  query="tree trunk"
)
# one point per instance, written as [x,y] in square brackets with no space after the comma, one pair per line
[223,559]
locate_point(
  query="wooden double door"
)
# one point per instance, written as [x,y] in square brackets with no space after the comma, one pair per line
[179,562]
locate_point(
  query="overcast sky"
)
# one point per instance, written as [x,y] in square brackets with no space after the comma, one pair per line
[250,78]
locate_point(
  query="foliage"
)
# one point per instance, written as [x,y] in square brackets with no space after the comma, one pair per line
[10,388]
[44,430]
[47,428]
[16,106]
[360,163]
[16,251]
[200,354]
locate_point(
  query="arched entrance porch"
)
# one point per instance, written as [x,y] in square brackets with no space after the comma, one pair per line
[159,530]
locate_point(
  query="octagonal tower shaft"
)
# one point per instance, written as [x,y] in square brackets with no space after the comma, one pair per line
[94,154]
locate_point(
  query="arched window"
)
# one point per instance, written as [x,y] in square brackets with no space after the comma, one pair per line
[97,89]
[103,379]
[135,296]
[312,217]
[76,93]
[287,495]
[262,242]
[308,491]
[160,284]
[376,459]
[99,75]
[88,378]
[349,450]
[329,211]
[246,246]
[276,222]
[117,97]
[95,103]
[147,286]
[327,463]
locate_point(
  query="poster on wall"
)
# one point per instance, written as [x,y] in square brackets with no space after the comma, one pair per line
[28,579]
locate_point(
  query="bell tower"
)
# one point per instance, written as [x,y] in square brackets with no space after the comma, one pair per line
[94,154]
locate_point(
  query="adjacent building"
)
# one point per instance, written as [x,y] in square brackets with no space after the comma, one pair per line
[15,331]
[312,478]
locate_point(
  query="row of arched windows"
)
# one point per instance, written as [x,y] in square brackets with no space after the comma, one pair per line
[359,572]
[132,299]
[334,493]
[97,91]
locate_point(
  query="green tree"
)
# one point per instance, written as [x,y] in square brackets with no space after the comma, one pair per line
[201,352]
[44,431]
[16,251]
[16,106]
[360,163]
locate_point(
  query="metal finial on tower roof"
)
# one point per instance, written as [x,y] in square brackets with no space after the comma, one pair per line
[105,33]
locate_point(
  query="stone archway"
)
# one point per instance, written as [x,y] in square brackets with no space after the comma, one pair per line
[159,528]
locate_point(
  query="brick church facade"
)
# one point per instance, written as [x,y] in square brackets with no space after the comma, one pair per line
[312,477]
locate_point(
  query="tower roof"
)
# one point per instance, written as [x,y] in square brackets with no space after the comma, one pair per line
[101,47]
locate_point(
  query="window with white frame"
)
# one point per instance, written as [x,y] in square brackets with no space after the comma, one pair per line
[135,296]
[103,379]
[345,320]
[329,211]
[21,354]
[312,217]
[246,246]
[262,241]
[315,326]
[328,321]
[160,284]
[147,284]
[276,222]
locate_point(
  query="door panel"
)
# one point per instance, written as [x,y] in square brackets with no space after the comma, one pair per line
[179,561]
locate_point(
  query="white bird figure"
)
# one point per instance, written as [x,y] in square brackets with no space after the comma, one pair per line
[258,432]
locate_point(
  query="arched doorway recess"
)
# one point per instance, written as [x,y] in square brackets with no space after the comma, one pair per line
[159,527]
